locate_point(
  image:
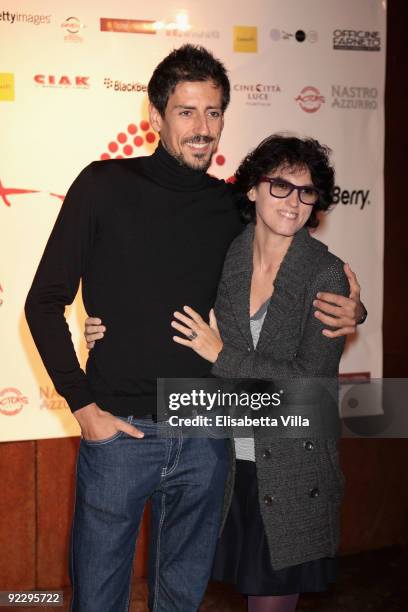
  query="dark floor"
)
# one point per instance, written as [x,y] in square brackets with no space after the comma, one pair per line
[375,581]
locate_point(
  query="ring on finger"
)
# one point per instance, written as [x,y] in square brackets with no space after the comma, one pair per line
[192,336]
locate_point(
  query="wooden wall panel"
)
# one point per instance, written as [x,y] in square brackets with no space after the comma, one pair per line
[55,493]
[17,515]
[375,505]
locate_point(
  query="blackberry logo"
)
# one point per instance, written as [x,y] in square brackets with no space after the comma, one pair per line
[356,197]
[134,87]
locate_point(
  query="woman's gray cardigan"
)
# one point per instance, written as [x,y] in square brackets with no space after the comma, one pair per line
[299,480]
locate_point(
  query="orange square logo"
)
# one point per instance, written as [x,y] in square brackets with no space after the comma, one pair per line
[245,39]
[7,86]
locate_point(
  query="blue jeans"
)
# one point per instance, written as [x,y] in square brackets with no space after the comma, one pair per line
[184,478]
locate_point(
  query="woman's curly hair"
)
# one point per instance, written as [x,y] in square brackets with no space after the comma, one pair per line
[279,151]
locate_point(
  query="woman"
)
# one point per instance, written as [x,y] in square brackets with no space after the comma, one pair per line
[281,532]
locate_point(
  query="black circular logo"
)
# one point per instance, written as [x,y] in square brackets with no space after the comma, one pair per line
[300,36]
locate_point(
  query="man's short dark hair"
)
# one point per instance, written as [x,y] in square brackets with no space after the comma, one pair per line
[188,63]
[278,151]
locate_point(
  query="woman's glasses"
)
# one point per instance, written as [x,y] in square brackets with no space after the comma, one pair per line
[279,188]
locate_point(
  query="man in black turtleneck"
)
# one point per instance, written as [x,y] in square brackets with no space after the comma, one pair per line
[145,235]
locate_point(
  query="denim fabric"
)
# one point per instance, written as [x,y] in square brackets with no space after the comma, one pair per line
[185,480]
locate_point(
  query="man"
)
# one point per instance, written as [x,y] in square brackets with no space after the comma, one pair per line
[145,235]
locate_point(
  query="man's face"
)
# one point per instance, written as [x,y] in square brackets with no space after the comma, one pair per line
[192,124]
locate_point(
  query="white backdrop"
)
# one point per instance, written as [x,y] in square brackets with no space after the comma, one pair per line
[73,89]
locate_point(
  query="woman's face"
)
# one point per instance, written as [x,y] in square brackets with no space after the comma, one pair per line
[282,216]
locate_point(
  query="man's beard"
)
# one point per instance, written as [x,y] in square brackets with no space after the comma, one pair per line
[202,164]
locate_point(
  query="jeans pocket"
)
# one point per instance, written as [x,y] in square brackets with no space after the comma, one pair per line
[115,436]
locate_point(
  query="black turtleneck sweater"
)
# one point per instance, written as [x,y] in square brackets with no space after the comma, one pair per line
[146,236]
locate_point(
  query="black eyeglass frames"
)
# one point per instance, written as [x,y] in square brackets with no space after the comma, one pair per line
[279,188]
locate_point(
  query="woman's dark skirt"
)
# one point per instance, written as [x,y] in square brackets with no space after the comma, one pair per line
[242,556]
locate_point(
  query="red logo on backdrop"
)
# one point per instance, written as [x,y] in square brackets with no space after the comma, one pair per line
[12,401]
[52,80]
[310,99]
[127,142]
[5,192]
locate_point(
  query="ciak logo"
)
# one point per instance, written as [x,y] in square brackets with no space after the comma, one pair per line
[12,401]
[310,99]
[51,80]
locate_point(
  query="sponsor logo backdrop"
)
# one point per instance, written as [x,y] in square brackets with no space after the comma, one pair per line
[312,68]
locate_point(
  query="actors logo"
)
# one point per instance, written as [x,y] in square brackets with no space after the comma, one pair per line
[360,98]
[72,26]
[245,39]
[1,291]
[128,26]
[298,36]
[310,99]
[258,94]
[6,87]
[51,400]
[66,82]
[13,18]
[12,401]
[354,197]
[356,40]
[133,87]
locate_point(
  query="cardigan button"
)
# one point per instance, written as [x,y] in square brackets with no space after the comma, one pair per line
[267,453]
[308,445]
[268,499]
[314,492]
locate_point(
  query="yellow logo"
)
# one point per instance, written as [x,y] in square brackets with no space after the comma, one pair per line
[245,39]
[7,86]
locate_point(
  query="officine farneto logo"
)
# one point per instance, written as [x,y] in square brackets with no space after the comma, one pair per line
[257,94]
[356,40]
[354,97]
[124,86]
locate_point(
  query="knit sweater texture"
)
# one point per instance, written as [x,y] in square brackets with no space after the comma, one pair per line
[146,236]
